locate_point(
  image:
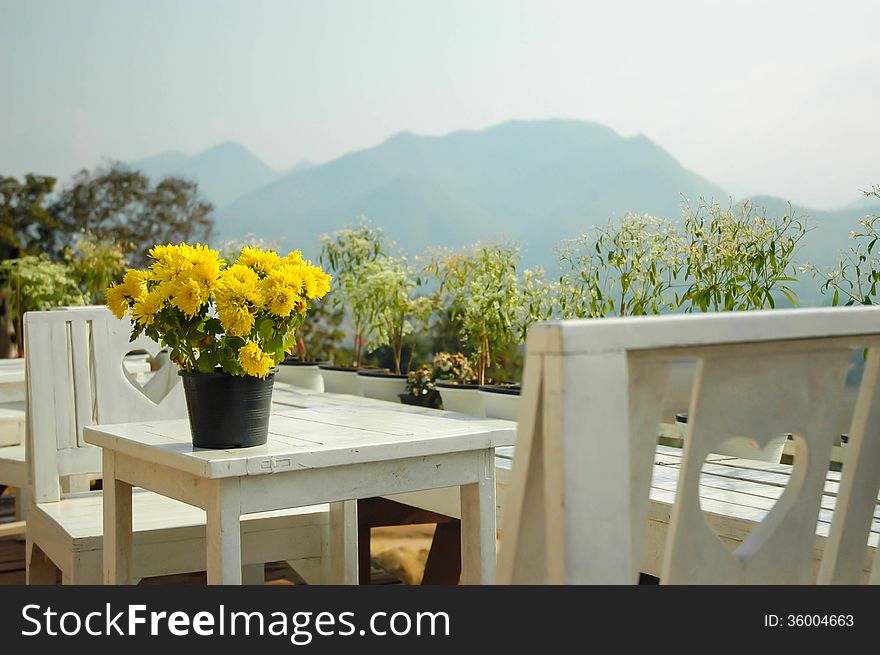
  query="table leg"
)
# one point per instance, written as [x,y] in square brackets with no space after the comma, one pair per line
[117,525]
[478,524]
[224,533]
[343,543]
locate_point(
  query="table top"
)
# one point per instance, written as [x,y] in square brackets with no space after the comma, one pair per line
[308,431]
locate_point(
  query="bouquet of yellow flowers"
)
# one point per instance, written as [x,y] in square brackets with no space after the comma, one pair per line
[239,318]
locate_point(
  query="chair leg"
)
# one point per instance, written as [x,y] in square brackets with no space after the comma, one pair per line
[20,504]
[20,509]
[86,568]
[253,574]
[76,483]
[40,570]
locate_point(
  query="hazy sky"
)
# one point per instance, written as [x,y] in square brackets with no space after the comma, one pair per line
[760,97]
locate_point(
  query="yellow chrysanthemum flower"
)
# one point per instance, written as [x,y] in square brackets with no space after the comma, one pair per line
[281,300]
[134,283]
[199,254]
[254,361]
[206,275]
[310,282]
[260,261]
[235,317]
[323,283]
[240,273]
[145,309]
[117,300]
[294,258]
[290,276]
[188,296]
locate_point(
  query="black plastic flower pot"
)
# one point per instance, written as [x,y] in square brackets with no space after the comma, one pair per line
[226,411]
[430,399]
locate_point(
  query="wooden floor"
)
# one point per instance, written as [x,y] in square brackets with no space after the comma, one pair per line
[12,564]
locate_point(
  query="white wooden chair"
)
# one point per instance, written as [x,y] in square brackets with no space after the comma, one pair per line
[577,508]
[75,378]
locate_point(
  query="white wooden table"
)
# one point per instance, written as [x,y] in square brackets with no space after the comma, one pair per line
[314,455]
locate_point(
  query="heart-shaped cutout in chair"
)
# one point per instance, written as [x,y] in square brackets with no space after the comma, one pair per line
[152,374]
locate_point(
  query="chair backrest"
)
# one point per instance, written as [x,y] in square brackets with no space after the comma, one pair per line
[577,507]
[75,377]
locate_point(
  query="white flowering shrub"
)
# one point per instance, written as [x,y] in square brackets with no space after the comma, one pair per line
[345,253]
[854,280]
[388,290]
[737,258]
[626,268]
[481,285]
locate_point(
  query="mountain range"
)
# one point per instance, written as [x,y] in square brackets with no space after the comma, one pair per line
[224,172]
[534,182]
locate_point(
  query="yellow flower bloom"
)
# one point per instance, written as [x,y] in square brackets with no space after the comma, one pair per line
[235,317]
[310,281]
[170,262]
[239,273]
[238,296]
[254,361]
[188,296]
[117,301]
[134,283]
[206,273]
[199,254]
[281,290]
[294,257]
[290,276]
[260,261]
[145,309]
[281,300]
[323,283]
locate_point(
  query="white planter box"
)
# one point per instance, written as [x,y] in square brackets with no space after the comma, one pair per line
[341,381]
[305,376]
[465,400]
[382,387]
[500,405]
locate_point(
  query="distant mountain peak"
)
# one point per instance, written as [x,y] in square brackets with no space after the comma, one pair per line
[223,172]
[226,148]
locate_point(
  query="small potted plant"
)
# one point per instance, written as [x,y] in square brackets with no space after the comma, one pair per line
[394,310]
[420,388]
[345,253]
[456,381]
[225,327]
